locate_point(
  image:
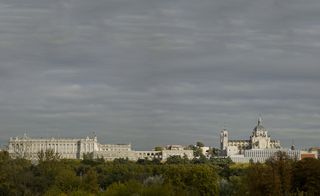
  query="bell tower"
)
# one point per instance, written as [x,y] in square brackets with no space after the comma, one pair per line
[224,140]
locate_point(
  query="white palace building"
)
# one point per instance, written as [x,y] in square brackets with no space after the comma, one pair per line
[258,148]
[68,148]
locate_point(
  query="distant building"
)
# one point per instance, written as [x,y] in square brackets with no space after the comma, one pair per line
[317,150]
[308,155]
[261,155]
[258,140]
[258,148]
[69,148]
[311,153]
[205,150]
[174,147]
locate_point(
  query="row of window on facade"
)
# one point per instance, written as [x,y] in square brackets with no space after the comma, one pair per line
[114,149]
[56,147]
[238,144]
[46,144]
[148,154]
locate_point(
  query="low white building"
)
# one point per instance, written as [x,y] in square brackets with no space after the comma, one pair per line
[182,153]
[261,155]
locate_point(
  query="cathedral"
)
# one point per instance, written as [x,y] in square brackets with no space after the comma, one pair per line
[259,139]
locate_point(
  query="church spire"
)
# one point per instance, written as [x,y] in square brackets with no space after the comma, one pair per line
[260,120]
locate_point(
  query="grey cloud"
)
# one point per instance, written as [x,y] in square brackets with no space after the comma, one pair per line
[176,71]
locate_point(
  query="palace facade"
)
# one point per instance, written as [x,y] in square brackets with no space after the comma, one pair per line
[69,148]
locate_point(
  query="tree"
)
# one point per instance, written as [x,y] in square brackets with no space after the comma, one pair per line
[213,152]
[48,166]
[200,144]
[90,181]
[259,180]
[4,157]
[221,162]
[158,148]
[48,155]
[281,167]
[306,176]
[15,176]
[131,187]
[121,161]
[67,181]
[176,159]
[272,178]
[90,159]
[197,179]
[200,160]
[88,156]
[144,161]
[196,150]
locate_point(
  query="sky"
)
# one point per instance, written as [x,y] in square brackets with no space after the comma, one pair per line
[153,73]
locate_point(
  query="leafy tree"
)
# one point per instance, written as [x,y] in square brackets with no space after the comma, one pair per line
[81,193]
[48,168]
[48,155]
[88,156]
[90,181]
[196,150]
[162,190]
[176,159]
[239,185]
[158,179]
[67,181]
[144,161]
[156,161]
[15,176]
[200,160]
[221,162]
[131,187]
[272,178]
[281,168]
[199,144]
[158,148]
[121,161]
[306,176]
[197,179]
[212,152]
[258,182]
[89,159]
[4,157]
[54,191]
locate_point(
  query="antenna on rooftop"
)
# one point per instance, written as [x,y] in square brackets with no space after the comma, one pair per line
[25,133]
[260,119]
[94,134]
[224,126]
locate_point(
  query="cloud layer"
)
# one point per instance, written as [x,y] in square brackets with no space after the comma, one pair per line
[160,72]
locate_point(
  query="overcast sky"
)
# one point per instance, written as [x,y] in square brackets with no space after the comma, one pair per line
[160,72]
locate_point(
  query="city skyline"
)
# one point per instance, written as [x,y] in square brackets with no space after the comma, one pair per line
[160,72]
[215,144]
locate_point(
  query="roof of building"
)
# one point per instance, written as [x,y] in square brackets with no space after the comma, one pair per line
[259,127]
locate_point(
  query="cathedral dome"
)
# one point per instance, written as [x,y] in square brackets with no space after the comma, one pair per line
[259,127]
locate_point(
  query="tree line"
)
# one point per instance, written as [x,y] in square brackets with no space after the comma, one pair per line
[177,176]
